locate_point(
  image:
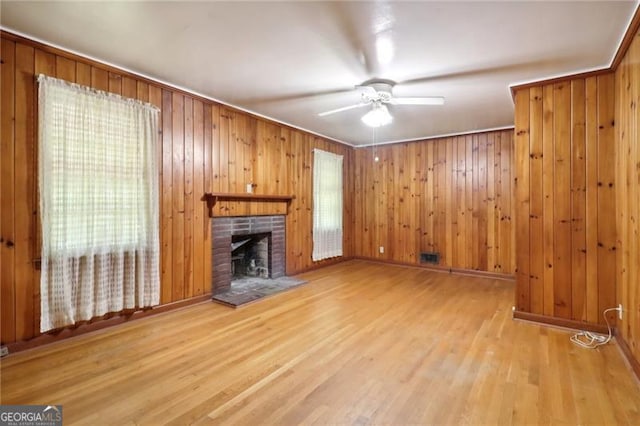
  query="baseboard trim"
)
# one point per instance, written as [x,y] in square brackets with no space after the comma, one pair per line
[98,324]
[445,269]
[559,322]
[628,355]
[321,264]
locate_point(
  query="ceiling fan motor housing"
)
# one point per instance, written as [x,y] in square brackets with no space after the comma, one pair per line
[382,89]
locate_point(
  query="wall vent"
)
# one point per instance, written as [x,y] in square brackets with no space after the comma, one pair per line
[430,257]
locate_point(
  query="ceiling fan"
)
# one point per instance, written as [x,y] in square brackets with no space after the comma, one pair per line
[378,93]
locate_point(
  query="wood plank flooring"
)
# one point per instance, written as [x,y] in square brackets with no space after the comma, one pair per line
[362,343]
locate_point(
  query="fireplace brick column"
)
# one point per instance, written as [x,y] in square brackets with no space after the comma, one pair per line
[223,228]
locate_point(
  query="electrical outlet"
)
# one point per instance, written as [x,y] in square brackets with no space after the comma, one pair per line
[381,249]
[4,351]
[620,311]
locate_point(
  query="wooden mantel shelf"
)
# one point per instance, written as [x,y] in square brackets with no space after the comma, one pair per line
[213,197]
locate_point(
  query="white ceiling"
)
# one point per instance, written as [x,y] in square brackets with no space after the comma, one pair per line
[290,60]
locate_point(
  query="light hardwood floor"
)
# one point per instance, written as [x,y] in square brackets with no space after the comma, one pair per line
[361,343]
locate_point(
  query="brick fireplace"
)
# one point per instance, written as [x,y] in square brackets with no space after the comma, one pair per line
[261,238]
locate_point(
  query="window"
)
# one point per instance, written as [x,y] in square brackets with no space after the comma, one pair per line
[98,203]
[327,205]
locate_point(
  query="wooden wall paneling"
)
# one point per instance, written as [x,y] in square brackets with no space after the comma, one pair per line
[373,194]
[498,211]
[261,172]
[45,63]
[457,200]
[83,74]
[178,198]
[417,171]
[606,194]
[282,176]
[397,248]
[507,263]
[633,234]
[7,179]
[522,199]
[632,237]
[562,199]
[622,186]
[358,210]
[279,173]
[492,226]
[482,206]
[572,154]
[306,189]
[627,194]
[142,91]
[536,242]
[630,110]
[428,201]
[251,161]
[25,183]
[234,162]
[467,176]
[115,83]
[293,250]
[394,190]
[302,199]
[223,159]
[99,78]
[444,196]
[433,196]
[166,232]
[188,161]
[216,172]
[129,87]
[469,195]
[450,199]
[209,136]
[377,209]
[290,255]
[445,199]
[306,202]
[407,203]
[374,205]
[474,210]
[153,95]
[65,69]
[462,201]
[578,201]
[199,209]
[349,201]
[194,156]
[426,207]
[548,179]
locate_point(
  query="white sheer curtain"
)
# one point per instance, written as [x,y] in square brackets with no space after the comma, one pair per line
[327,205]
[98,203]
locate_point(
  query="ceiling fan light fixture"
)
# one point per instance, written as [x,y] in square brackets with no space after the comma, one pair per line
[378,116]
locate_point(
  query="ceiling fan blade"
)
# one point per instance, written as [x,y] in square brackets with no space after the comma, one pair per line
[426,100]
[333,111]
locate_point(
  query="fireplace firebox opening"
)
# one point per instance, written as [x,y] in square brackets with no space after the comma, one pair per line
[250,256]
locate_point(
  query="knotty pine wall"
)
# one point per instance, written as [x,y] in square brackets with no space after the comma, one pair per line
[203,147]
[449,195]
[565,199]
[627,80]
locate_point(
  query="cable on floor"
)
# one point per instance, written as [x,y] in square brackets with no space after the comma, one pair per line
[589,340]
